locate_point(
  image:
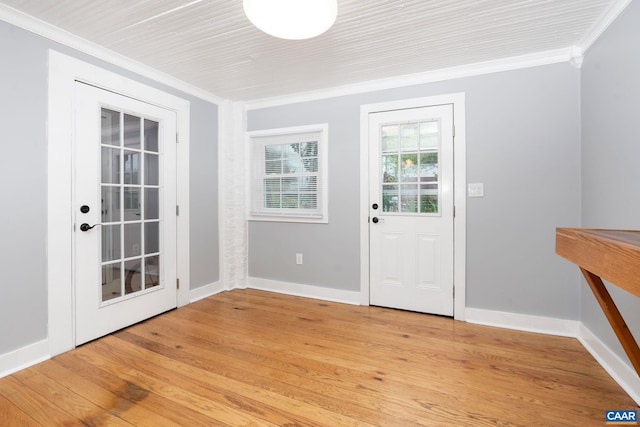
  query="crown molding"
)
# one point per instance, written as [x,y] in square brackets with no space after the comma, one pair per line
[470,70]
[612,12]
[53,33]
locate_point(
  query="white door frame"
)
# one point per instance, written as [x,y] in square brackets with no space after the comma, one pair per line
[459,191]
[64,71]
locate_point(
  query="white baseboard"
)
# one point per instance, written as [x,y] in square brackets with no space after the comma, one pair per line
[309,291]
[622,373]
[206,291]
[24,357]
[523,322]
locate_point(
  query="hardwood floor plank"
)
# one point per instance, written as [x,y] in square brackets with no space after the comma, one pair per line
[70,401]
[105,354]
[126,390]
[127,408]
[260,374]
[249,357]
[201,378]
[42,409]
[11,415]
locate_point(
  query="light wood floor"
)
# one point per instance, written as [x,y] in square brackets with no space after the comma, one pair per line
[255,358]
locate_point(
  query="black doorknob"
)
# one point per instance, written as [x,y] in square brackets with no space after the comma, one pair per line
[375,219]
[374,206]
[86,227]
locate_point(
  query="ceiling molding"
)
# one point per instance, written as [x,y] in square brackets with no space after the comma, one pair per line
[614,10]
[46,30]
[470,70]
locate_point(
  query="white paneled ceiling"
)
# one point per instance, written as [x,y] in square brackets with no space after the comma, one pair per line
[210,43]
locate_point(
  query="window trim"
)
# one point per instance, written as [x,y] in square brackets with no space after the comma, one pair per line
[254,137]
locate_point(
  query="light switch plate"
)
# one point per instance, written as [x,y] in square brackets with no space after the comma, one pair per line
[475,189]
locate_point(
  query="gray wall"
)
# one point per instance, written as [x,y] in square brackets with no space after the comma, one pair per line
[610,154]
[522,143]
[23,178]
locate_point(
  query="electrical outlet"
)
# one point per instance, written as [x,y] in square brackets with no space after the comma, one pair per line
[475,190]
[299,259]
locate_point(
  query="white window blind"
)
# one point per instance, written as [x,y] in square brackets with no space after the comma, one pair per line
[288,174]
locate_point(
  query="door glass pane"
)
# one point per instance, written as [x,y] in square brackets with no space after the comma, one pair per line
[151,271]
[131,131]
[151,171]
[428,166]
[409,160]
[429,198]
[151,203]
[390,138]
[131,167]
[110,127]
[110,165]
[110,242]
[409,136]
[390,168]
[409,198]
[409,168]
[429,134]
[132,275]
[390,198]
[132,204]
[110,204]
[151,238]
[111,281]
[132,239]
[151,135]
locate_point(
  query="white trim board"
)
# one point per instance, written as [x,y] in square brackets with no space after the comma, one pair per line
[622,373]
[614,10]
[308,291]
[523,322]
[206,291]
[23,357]
[459,191]
[64,71]
[51,32]
[469,70]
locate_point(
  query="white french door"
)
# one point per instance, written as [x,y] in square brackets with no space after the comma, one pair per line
[124,203]
[411,209]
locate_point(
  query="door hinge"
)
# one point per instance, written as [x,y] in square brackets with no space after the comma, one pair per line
[454,131]
[177,210]
[178,283]
[177,139]
[454,211]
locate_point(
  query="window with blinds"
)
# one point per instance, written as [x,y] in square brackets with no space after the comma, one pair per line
[288,174]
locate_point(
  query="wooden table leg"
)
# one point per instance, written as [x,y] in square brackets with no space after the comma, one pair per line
[615,318]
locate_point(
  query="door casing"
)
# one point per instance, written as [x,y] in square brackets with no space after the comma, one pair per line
[64,71]
[459,161]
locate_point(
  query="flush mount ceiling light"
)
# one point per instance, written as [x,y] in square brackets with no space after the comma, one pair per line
[292,19]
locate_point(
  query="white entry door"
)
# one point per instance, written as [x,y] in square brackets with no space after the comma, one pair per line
[411,209]
[124,211]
